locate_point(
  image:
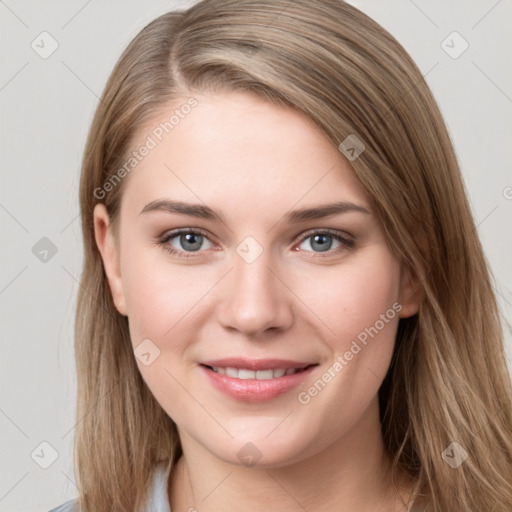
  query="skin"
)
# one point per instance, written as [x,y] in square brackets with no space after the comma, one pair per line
[254,162]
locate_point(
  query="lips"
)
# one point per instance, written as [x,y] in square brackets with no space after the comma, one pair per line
[256,380]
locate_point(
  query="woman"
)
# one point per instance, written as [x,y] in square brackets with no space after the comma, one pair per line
[284,301]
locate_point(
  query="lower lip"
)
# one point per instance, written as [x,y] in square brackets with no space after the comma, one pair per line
[254,390]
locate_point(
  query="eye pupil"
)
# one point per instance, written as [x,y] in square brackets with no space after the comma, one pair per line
[193,239]
[321,241]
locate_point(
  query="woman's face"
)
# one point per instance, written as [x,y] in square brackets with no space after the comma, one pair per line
[264,270]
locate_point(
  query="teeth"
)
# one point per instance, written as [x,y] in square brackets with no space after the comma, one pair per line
[264,374]
[244,374]
[231,372]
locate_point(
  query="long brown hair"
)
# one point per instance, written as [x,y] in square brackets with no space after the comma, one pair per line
[448,381]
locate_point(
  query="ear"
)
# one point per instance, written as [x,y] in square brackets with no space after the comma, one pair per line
[411,292]
[109,254]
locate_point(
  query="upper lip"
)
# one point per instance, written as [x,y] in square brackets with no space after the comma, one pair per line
[256,364]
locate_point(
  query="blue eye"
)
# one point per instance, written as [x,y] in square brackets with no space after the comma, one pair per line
[183,243]
[321,242]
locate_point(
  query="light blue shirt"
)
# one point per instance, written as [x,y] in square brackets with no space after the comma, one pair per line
[157,498]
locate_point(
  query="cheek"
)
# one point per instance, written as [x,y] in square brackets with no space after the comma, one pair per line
[160,295]
[161,298]
[351,298]
[359,312]
[360,307]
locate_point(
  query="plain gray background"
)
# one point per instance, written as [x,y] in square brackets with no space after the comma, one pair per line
[46,108]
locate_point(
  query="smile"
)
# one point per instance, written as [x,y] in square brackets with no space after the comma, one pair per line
[258,385]
[246,374]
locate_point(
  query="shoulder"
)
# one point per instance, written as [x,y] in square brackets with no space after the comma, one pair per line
[157,496]
[68,506]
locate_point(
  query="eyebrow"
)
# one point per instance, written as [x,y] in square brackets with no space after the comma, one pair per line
[294,217]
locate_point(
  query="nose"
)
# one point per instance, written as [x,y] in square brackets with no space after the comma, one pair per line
[254,299]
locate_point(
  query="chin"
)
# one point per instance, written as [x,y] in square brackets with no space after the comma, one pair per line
[262,453]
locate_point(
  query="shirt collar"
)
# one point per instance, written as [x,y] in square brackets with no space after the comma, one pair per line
[158,500]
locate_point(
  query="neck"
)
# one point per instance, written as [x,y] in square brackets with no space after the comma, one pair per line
[349,473]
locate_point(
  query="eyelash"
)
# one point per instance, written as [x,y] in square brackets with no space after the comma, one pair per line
[347,244]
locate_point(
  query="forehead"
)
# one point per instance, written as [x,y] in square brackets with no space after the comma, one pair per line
[233,148]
